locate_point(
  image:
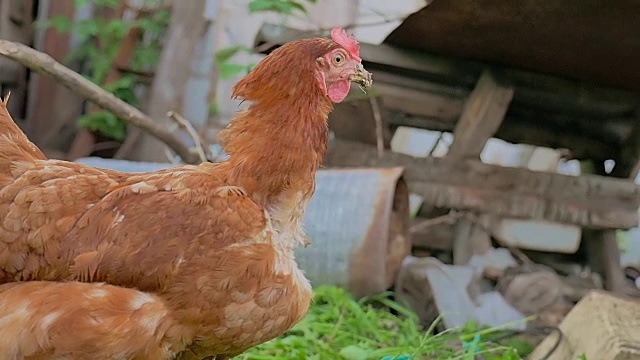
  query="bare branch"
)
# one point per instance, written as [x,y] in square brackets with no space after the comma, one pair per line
[202,150]
[45,64]
[377,117]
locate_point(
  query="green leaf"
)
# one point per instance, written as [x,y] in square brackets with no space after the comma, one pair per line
[261,5]
[224,54]
[354,352]
[298,6]
[227,70]
[116,28]
[279,6]
[87,28]
[60,23]
[104,122]
[108,3]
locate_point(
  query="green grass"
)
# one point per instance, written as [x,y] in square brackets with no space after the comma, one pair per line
[340,328]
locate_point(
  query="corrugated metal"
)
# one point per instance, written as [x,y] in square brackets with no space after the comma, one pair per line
[358,222]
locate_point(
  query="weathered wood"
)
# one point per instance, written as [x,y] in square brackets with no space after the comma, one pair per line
[613,274]
[573,41]
[437,237]
[420,103]
[628,162]
[589,201]
[601,326]
[469,239]
[516,130]
[546,110]
[602,246]
[481,117]
[579,96]
[172,74]
[353,120]
[16,24]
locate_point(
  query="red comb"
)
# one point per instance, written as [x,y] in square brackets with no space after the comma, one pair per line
[348,42]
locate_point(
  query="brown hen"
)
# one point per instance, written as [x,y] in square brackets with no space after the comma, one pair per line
[186,263]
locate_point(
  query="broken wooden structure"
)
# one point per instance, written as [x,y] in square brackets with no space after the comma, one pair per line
[477,70]
[16,24]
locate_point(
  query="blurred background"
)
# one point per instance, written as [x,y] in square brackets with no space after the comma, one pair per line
[497,153]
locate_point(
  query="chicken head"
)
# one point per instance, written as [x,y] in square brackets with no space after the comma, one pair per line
[340,66]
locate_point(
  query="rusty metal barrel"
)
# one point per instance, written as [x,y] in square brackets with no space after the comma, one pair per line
[357,220]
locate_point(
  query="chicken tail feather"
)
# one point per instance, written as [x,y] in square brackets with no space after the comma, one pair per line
[14,145]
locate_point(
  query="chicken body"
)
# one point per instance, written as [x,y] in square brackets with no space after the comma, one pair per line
[206,249]
[186,263]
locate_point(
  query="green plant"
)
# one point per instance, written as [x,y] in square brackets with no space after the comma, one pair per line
[227,68]
[100,41]
[340,328]
[279,6]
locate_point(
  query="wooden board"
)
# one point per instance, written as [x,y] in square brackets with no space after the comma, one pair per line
[589,201]
[595,41]
[427,90]
[482,114]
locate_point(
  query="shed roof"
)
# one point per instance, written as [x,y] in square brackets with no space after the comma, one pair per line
[589,40]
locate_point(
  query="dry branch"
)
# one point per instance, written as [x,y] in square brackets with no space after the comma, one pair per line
[201,148]
[45,64]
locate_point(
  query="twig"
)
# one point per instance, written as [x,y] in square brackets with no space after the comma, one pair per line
[169,156]
[183,123]
[45,64]
[435,145]
[378,119]
[444,219]
[128,144]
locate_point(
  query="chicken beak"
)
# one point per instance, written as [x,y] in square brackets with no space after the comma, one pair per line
[362,77]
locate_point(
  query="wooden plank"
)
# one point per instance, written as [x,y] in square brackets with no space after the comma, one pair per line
[613,274]
[602,247]
[354,120]
[589,201]
[481,117]
[520,131]
[582,95]
[424,104]
[603,256]
[600,326]
[628,161]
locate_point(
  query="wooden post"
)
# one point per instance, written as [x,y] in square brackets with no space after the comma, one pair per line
[603,249]
[173,72]
[481,117]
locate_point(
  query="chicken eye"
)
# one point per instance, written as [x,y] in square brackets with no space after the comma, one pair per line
[338,59]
